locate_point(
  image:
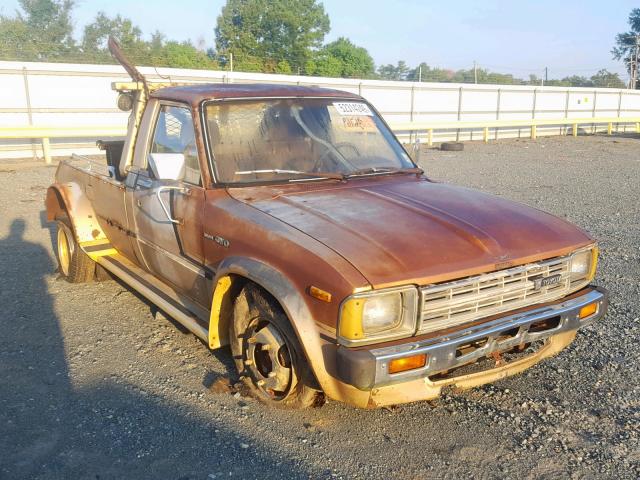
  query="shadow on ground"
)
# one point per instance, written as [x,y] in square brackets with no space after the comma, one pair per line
[49,429]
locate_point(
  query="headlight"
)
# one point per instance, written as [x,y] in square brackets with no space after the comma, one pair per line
[583,264]
[378,316]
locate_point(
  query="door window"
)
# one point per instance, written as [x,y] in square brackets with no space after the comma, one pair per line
[173,154]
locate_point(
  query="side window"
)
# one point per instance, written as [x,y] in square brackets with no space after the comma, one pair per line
[173,154]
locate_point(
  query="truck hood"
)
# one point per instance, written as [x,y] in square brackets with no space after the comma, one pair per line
[400,230]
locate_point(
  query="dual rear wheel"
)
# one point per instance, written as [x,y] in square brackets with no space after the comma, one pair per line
[74,265]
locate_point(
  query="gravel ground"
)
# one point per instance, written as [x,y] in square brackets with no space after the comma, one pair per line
[93,386]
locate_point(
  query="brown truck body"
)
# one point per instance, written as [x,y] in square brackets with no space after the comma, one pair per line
[190,247]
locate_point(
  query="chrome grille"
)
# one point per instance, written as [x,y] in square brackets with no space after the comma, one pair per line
[453,303]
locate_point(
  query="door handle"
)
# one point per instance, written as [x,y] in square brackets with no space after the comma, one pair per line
[159,190]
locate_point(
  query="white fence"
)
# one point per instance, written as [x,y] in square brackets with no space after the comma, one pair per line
[50,94]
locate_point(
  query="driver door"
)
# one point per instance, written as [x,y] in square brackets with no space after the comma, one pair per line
[167,204]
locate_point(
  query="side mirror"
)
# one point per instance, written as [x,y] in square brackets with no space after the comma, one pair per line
[167,166]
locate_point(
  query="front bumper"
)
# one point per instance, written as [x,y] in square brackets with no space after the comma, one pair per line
[367,369]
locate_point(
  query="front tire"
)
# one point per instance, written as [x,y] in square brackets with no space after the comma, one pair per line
[267,353]
[74,265]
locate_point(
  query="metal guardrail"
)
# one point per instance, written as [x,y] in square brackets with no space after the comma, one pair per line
[414,128]
[45,133]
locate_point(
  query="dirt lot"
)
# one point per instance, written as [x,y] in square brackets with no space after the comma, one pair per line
[92,386]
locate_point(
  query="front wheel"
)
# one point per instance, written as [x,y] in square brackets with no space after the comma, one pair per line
[267,353]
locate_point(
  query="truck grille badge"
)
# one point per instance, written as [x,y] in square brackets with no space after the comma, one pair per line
[538,283]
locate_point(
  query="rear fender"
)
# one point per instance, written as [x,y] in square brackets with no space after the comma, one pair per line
[69,199]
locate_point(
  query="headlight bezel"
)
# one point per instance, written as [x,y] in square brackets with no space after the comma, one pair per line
[584,279]
[351,329]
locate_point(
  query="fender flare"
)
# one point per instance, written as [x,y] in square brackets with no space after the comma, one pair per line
[69,199]
[56,202]
[289,298]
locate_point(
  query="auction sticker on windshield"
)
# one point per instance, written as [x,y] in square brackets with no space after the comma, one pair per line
[352,108]
[358,123]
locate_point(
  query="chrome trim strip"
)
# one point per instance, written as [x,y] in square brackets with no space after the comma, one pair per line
[441,351]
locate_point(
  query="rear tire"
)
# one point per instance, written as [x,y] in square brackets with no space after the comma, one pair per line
[74,265]
[267,353]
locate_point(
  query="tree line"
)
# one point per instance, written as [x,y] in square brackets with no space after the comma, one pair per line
[269,36]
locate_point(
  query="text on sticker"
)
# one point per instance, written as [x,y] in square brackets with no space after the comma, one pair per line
[359,124]
[351,108]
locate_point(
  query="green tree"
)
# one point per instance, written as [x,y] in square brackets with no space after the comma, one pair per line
[439,75]
[277,30]
[577,81]
[463,76]
[419,73]
[42,30]
[342,58]
[497,78]
[157,52]
[96,35]
[324,65]
[606,79]
[394,72]
[429,74]
[625,46]
[283,67]
[182,55]
[16,42]
[557,83]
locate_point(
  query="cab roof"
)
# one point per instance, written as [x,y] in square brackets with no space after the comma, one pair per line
[195,94]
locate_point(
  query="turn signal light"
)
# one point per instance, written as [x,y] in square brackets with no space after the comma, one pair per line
[588,310]
[403,364]
[320,294]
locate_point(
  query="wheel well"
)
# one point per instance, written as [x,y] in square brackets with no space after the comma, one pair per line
[55,204]
[226,291]
[241,282]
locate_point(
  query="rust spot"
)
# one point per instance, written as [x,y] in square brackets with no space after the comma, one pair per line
[95,233]
[497,356]
[503,265]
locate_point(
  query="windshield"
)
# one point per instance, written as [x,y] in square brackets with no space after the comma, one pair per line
[291,139]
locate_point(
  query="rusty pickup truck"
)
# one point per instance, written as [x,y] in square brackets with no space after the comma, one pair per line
[290,224]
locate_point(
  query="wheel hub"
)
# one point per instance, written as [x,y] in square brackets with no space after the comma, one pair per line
[268,359]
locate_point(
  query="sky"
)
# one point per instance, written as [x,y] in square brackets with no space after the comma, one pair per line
[508,36]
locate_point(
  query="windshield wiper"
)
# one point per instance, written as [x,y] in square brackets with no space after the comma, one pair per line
[334,176]
[391,170]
